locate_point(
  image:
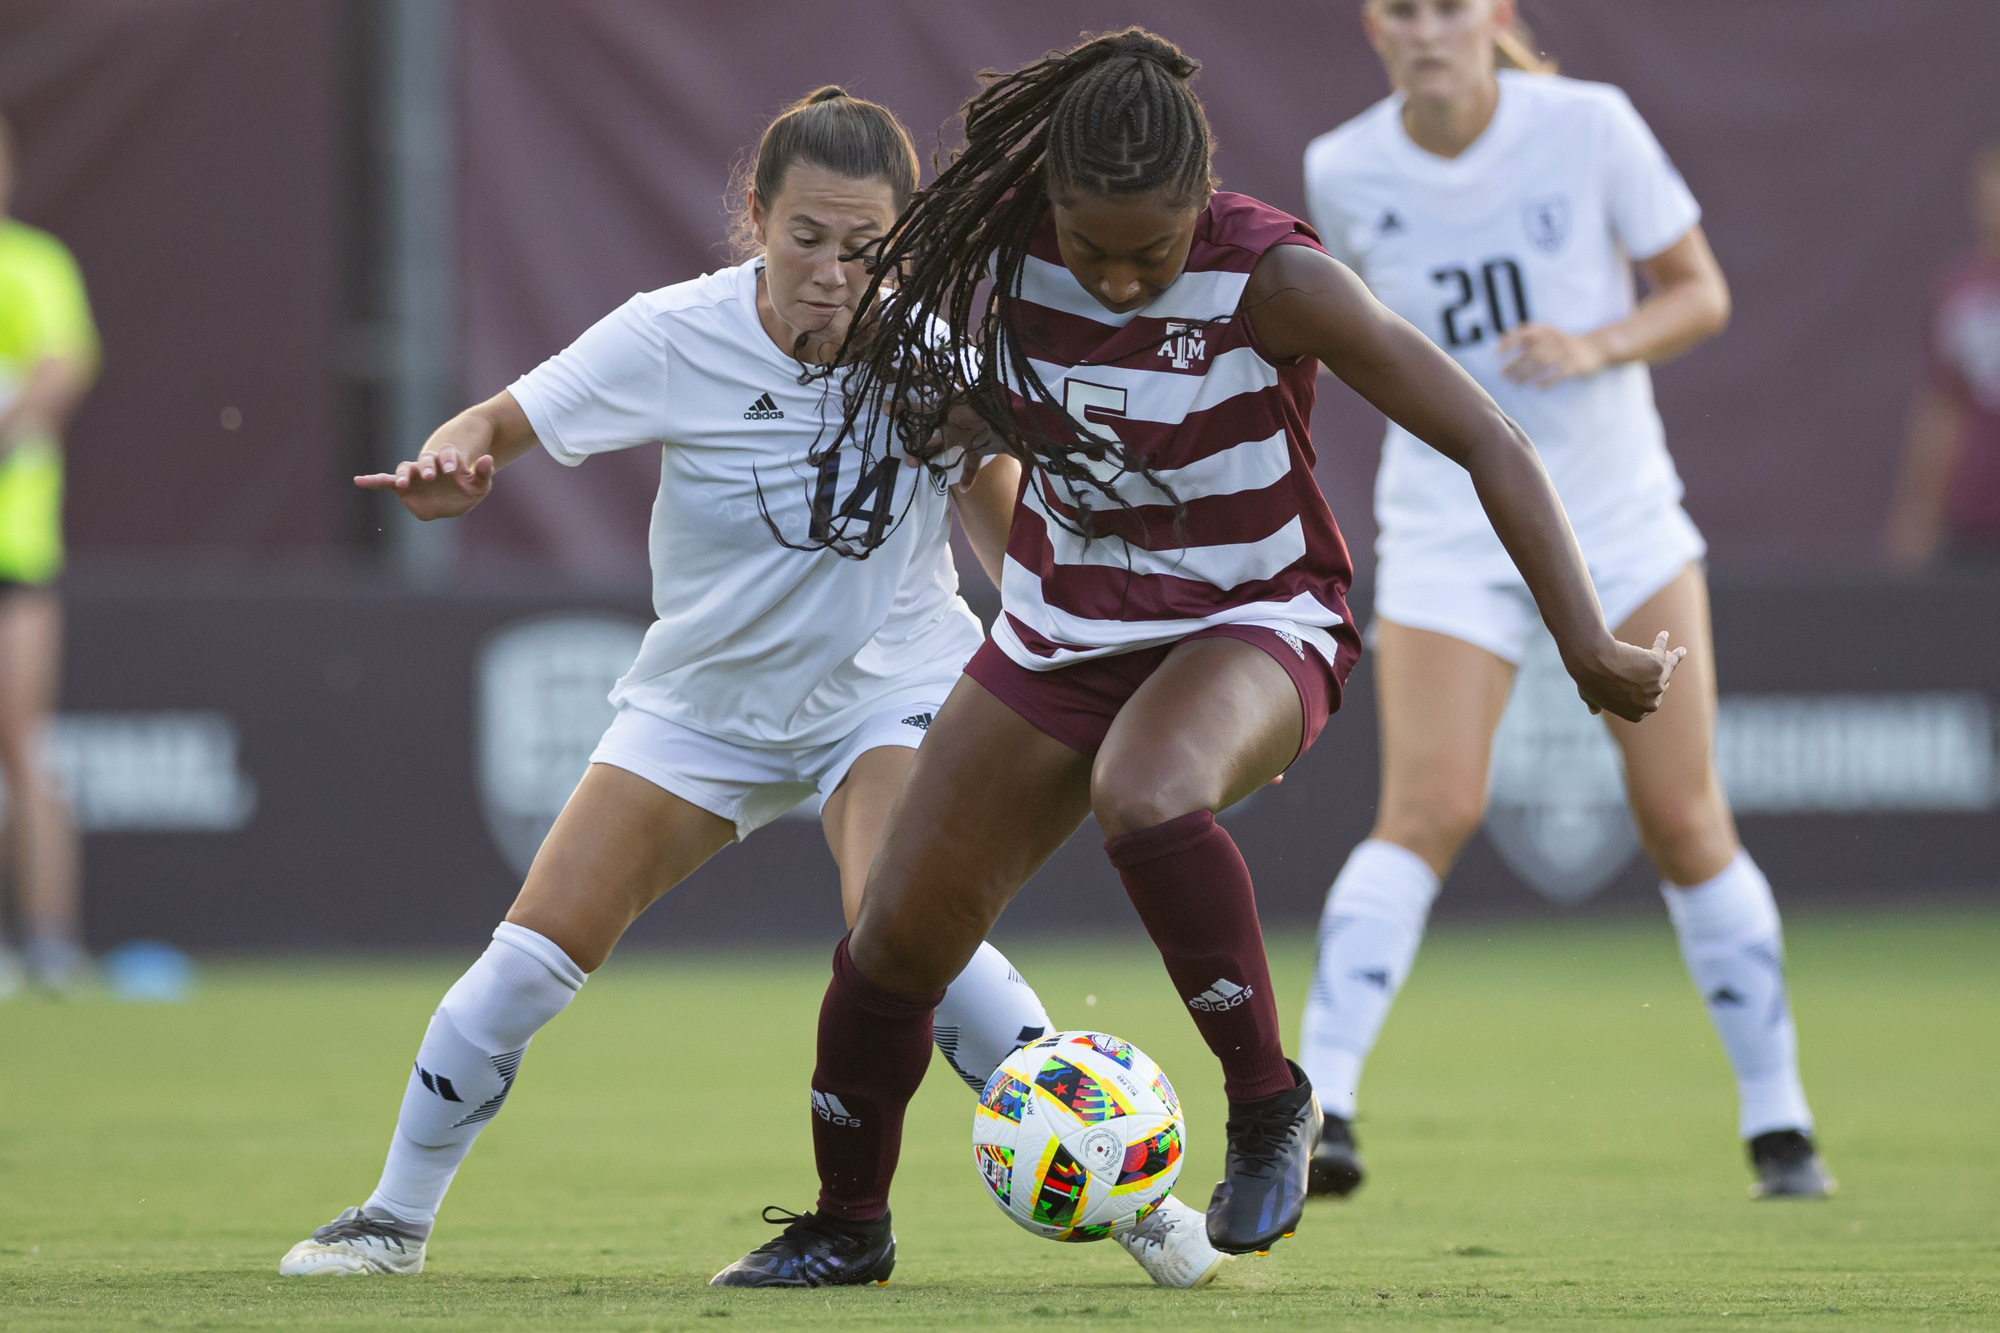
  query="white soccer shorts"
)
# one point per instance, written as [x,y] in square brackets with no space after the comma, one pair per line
[747,785]
[1500,617]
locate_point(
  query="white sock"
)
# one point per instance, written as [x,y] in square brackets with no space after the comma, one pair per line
[466,1066]
[987,1014]
[1368,937]
[1734,948]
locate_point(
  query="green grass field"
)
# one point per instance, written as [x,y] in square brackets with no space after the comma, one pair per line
[1549,1122]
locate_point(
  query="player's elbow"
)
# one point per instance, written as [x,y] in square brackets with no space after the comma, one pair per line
[1508,438]
[1717,307]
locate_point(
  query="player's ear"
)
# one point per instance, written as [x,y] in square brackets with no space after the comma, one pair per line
[756,213]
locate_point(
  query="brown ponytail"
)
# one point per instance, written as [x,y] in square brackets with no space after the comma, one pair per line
[1515,48]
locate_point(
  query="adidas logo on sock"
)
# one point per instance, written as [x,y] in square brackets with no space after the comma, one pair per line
[828,1108]
[1222,995]
[1376,977]
[921,721]
[439,1084]
[764,410]
[1724,995]
[1297,644]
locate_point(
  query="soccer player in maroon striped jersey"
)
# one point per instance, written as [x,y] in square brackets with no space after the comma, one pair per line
[1174,630]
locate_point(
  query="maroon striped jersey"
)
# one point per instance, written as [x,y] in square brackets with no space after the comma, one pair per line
[1183,384]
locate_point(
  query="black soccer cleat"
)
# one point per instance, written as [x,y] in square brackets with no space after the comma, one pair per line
[1336,1166]
[815,1250]
[1789,1167]
[1262,1193]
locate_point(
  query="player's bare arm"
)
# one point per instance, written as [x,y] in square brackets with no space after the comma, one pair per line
[1687,303]
[454,470]
[1930,450]
[52,390]
[1304,303]
[986,508]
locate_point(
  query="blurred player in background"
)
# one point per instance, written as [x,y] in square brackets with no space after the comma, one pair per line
[1948,497]
[776,667]
[48,357]
[1501,211]
[1174,629]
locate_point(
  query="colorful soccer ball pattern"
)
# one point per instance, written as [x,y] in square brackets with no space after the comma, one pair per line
[1078,1136]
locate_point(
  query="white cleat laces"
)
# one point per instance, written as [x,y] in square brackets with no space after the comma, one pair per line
[1171,1244]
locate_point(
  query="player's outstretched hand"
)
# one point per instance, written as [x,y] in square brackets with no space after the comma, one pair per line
[436,485]
[1629,680]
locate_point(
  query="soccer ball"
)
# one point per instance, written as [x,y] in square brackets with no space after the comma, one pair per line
[1078,1136]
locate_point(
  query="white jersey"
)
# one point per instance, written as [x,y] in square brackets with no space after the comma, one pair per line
[756,643]
[1538,220]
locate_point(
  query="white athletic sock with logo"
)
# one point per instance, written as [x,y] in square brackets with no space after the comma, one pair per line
[466,1066]
[1368,937]
[987,1014]
[1734,948]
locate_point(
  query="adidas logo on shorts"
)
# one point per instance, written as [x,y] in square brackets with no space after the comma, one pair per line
[921,721]
[1298,644]
[1224,994]
[828,1108]
[764,410]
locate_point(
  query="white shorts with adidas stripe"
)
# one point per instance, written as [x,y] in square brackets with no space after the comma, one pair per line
[750,785]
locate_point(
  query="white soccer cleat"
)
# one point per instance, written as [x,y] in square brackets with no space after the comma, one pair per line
[355,1243]
[1171,1244]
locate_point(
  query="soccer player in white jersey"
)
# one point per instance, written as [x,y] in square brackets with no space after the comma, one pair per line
[776,669]
[1501,212]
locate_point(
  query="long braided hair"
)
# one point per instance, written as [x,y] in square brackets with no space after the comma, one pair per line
[1112,116]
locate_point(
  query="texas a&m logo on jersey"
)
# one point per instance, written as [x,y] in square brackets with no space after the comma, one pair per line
[1185,344]
[1547,221]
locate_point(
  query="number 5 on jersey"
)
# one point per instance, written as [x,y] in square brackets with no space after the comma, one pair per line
[1079,398]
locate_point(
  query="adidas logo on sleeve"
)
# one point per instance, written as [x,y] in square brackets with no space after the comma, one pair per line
[764,410]
[1224,994]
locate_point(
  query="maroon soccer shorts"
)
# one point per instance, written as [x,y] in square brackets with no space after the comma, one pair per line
[1076,703]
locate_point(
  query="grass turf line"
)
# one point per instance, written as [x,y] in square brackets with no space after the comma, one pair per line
[1548,1121]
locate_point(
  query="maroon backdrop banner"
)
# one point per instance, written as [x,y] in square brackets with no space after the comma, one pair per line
[188,151]
[1826,140]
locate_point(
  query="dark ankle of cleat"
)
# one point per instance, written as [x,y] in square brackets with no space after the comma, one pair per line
[1783,1147]
[1336,1165]
[1262,1193]
[1788,1167]
[816,1250]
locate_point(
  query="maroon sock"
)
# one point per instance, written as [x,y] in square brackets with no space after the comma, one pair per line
[1193,892]
[874,1046]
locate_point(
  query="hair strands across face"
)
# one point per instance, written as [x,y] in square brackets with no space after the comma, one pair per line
[1113,115]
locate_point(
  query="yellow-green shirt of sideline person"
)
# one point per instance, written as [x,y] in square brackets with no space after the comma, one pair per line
[43,313]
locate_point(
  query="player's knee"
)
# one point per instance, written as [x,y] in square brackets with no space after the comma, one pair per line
[900,959]
[1435,826]
[1686,838]
[1126,807]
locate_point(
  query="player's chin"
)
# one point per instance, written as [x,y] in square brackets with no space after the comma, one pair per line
[817,319]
